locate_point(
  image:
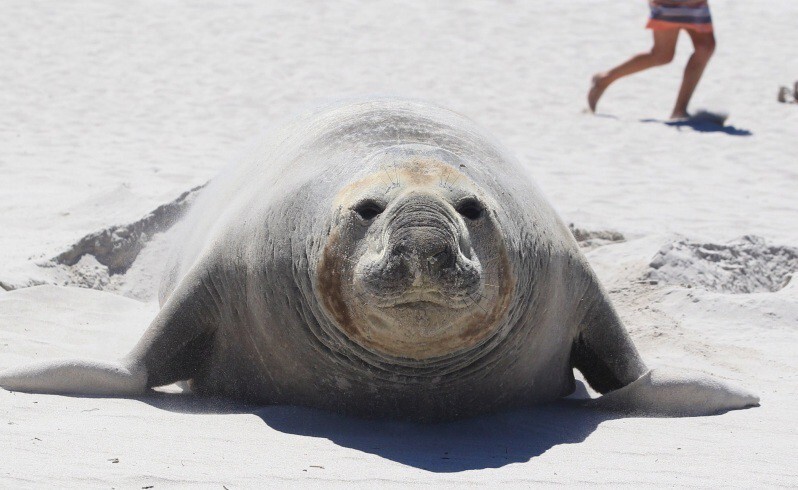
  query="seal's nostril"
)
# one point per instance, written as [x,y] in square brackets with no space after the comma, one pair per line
[441,260]
[442,255]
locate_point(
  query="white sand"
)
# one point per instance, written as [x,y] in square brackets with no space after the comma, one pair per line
[110,110]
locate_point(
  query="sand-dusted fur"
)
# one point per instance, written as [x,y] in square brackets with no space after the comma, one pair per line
[382,257]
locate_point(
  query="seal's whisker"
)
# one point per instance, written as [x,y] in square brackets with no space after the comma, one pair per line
[464,300]
[443,181]
[396,171]
[389,176]
[478,295]
[477,303]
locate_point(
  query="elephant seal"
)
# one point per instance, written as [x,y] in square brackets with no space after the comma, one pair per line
[387,258]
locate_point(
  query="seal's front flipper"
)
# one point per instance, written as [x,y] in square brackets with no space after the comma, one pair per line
[177,343]
[668,392]
[606,356]
[172,349]
[76,377]
[602,350]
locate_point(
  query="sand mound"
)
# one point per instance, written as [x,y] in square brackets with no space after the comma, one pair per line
[126,259]
[591,239]
[118,246]
[746,265]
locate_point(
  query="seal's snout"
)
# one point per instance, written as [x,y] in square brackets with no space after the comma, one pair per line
[422,250]
[421,257]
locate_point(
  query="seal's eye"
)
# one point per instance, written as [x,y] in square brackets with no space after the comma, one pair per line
[470,208]
[368,209]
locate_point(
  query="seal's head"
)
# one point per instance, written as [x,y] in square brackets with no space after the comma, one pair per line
[415,266]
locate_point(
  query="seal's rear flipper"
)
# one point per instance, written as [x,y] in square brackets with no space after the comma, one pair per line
[672,393]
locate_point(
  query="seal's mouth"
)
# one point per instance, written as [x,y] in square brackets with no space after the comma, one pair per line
[423,299]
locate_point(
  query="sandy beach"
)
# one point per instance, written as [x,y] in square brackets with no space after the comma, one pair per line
[112,113]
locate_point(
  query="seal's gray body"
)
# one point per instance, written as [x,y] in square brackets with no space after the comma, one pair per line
[383,258]
[247,267]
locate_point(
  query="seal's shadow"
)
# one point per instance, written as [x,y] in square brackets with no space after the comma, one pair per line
[489,441]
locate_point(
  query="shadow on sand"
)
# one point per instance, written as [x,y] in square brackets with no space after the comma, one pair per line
[702,126]
[702,123]
[489,441]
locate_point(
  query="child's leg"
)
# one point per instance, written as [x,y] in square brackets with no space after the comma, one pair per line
[704,44]
[661,53]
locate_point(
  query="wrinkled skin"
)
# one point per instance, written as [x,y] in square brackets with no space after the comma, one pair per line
[385,258]
[417,258]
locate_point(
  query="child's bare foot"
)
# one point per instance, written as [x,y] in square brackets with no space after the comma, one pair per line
[679,115]
[598,86]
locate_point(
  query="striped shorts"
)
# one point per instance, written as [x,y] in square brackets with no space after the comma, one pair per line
[695,17]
